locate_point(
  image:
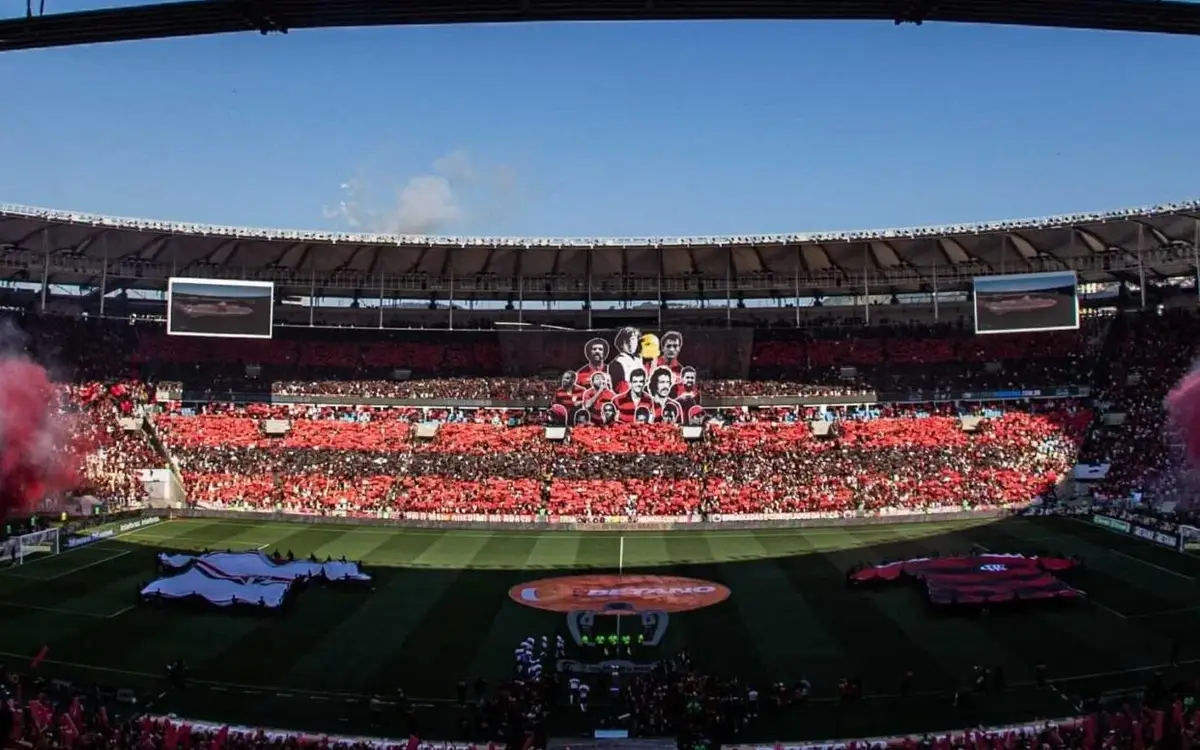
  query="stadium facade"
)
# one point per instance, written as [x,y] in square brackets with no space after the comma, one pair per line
[375,280]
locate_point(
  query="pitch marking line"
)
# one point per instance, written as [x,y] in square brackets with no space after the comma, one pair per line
[73,571]
[1063,696]
[1109,610]
[62,552]
[54,610]
[7,573]
[1149,564]
[46,579]
[1165,612]
[160,542]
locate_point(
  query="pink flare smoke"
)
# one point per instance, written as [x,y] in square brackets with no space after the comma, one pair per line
[35,460]
[1183,407]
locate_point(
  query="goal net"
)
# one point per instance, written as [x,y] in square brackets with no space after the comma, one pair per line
[27,547]
[1189,538]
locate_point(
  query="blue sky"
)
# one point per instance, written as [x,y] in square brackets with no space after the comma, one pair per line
[1031,282]
[605,129]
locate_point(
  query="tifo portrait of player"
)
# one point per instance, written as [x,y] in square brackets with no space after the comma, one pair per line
[660,383]
[608,412]
[684,391]
[565,398]
[671,413]
[672,345]
[644,382]
[628,344]
[596,397]
[595,352]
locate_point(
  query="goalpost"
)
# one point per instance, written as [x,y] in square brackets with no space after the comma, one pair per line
[28,547]
[1189,538]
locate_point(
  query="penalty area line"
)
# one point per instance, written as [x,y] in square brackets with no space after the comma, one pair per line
[94,563]
[1109,610]
[52,610]
[1149,564]
[1165,612]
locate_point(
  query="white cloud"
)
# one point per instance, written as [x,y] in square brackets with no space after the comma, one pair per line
[427,203]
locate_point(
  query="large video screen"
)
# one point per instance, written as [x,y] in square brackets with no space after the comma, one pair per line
[1027,302]
[215,307]
[629,375]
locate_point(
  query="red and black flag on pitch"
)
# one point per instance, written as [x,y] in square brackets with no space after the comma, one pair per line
[979,579]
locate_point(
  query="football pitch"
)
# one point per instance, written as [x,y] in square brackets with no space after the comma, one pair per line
[445,606]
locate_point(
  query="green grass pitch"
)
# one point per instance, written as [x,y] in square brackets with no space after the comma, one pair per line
[440,612]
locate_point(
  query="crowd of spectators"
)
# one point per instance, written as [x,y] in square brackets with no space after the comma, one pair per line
[39,714]
[111,457]
[370,460]
[473,365]
[366,460]
[1148,355]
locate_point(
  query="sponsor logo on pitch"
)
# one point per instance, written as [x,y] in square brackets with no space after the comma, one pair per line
[630,593]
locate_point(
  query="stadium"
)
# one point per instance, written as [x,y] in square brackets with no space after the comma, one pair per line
[926,488]
[399,406]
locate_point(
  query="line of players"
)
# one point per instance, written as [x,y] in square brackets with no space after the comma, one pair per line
[645,382]
[531,660]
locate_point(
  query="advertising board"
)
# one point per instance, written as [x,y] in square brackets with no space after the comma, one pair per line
[1113,524]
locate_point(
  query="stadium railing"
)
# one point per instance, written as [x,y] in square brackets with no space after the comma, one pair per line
[957,738]
[978,737]
[893,397]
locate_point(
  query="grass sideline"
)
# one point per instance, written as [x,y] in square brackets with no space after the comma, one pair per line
[440,612]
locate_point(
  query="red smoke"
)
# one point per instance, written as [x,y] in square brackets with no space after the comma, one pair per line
[35,460]
[1183,406]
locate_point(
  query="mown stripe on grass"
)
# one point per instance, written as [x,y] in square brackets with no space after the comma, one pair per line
[717,637]
[305,541]
[1162,556]
[397,601]
[513,622]
[870,644]
[1108,576]
[954,639]
[1083,635]
[440,648]
[1062,637]
[782,627]
[266,653]
[97,590]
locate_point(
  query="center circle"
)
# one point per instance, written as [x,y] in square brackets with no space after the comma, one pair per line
[630,593]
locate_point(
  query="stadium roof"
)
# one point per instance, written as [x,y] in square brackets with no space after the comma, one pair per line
[77,248]
[197,17]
